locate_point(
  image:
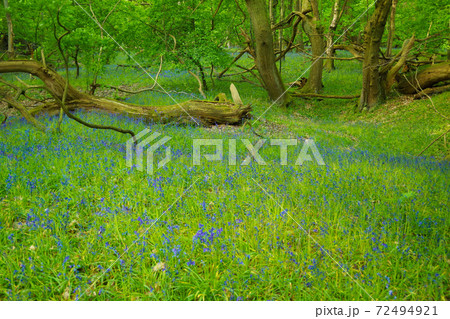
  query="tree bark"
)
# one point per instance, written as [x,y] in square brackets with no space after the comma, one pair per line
[314,33]
[280,32]
[203,112]
[313,95]
[329,64]
[424,79]
[300,44]
[271,18]
[389,72]
[431,91]
[391,33]
[373,92]
[11,52]
[265,57]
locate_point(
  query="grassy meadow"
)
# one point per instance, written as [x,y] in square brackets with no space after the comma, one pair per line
[371,224]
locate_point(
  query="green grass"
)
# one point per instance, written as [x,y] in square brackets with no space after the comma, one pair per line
[371,223]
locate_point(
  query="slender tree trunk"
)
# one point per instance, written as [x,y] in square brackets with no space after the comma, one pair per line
[265,57]
[315,35]
[271,17]
[202,74]
[391,29]
[75,59]
[329,64]
[10,31]
[373,91]
[280,32]
[300,44]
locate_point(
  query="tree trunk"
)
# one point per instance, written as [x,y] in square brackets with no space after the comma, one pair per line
[314,32]
[280,32]
[271,18]
[10,31]
[424,79]
[300,45]
[265,58]
[329,64]
[390,70]
[373,91]
[204,112]
[77,64]
[391,29]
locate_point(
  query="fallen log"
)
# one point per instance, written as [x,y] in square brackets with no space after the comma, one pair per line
[195,111]
[431,91]
[424,79]
[323,96]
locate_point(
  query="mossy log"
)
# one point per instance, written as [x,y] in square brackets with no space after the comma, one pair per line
[424,79]
[195,111]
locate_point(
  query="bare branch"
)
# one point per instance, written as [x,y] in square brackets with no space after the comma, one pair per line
[24,112]
[434,141]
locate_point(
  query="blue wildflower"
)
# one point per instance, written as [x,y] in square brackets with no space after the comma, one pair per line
[191,263]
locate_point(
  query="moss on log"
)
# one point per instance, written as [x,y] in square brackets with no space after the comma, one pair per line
[424,79]
[194,111]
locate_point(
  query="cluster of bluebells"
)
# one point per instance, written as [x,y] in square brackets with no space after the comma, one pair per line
[206,237]
[275,241]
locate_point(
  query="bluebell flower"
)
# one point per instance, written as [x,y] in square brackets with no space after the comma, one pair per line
[176,250]
[66,259]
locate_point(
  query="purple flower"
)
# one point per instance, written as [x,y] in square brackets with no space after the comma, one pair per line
[176,250]
[65,260]
[191,263]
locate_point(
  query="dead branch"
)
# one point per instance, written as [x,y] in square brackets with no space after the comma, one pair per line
[434,141]
[323,96]
[234,61]
[431,91]
[391,70]
[24,112]
[426,78]
[203,112]
[151,88]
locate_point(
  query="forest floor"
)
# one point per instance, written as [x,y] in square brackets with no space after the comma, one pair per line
[372,223]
